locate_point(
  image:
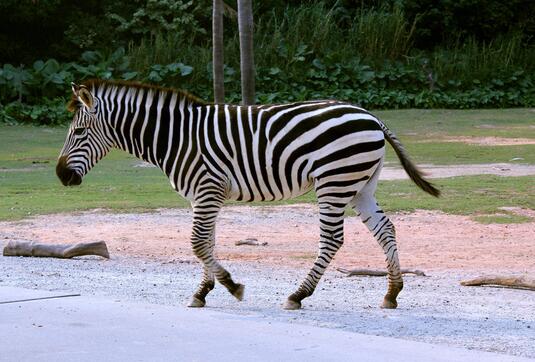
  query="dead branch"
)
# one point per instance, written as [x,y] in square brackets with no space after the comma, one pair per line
[250,241]
[376,273]
[521,282]
[32,248]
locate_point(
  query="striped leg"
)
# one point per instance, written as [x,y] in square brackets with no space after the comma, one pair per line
[331,239]
[205,212]
[207,282]
[384,232]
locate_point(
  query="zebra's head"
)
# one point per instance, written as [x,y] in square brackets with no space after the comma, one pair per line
[86,142]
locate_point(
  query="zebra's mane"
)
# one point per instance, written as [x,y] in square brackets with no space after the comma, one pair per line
[101,83]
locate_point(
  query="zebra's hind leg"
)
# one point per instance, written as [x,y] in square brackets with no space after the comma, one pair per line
[384,232]
[205,212]
[331,239]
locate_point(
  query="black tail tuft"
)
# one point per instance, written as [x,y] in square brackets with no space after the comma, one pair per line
[412,170]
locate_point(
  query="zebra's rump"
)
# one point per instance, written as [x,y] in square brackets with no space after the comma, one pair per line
[282,151]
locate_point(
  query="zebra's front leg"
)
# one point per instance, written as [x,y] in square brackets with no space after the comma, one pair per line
[331,239]
[207,283]
[204,218]
[384,232]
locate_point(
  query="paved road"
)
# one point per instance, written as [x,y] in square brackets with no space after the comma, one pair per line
[79,328]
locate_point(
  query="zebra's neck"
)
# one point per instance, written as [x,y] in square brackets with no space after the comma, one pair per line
[150,123]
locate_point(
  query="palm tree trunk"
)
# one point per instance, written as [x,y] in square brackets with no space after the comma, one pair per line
[217,52]
[245,25]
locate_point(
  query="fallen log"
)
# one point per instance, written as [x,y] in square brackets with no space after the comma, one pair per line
[63,251]
[521,282]
[376,273]
[250,241]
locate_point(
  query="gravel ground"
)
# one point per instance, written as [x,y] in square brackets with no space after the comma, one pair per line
[433,309]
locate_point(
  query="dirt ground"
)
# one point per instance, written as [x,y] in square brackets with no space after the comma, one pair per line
[426,240]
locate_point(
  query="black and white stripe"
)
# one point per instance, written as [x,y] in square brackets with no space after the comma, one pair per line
[213,153]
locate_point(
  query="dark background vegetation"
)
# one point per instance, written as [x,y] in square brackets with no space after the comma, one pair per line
[377,53]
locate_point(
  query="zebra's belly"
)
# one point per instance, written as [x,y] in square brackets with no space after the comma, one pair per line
[245,195]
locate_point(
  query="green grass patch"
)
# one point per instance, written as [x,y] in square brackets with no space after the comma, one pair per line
[114,184]
[506,218]
[451,153]
[29,186]
[515,122]
[467,195]
[415,127]
[480,197]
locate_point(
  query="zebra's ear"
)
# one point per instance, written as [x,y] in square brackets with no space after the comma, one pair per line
[75,89]
[86,97]
[83,95]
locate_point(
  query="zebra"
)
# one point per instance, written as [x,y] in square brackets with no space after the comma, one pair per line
[213,153]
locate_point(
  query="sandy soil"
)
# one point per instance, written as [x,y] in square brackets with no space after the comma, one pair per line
[152,262]
[427,240]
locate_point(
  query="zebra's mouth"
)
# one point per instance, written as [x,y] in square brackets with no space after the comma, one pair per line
[67,176]
[75,180]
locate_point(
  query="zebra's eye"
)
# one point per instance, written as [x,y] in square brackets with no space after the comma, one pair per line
[79,131]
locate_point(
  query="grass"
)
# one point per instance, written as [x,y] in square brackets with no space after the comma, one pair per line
[28,185]
[480,197]
[415,126]
[502,218]
[518,122]
[466,195]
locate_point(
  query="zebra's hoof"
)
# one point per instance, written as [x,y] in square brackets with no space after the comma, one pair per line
[196,303]
[389,304]
[291,305]
[238,293]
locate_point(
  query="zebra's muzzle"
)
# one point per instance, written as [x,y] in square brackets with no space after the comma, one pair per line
[68,176]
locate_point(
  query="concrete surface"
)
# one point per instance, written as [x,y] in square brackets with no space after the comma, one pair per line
[83,328]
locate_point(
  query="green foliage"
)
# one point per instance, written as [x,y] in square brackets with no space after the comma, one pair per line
[440,22]
[382,34]
[303,50]
[47,112]
[157,16]
[395,85]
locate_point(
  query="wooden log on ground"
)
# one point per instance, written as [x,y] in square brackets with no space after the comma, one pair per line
[377,273]
[63,251]
[516,282]
[250,241]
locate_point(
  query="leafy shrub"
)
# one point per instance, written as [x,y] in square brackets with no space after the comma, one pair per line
[47,112]
[156,16]
[348,50]
[45,86]
[479,19]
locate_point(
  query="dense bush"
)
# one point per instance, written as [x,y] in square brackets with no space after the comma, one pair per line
[379,54]
[441,22]
[38,94]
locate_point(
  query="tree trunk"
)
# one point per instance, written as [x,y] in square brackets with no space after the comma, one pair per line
[217,52]
[245,25]
[63,251]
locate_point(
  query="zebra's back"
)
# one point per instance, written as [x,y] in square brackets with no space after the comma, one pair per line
[275,152]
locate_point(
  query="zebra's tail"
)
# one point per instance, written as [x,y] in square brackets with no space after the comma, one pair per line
[412,170]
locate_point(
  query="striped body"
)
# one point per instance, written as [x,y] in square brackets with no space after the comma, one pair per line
[213,153]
